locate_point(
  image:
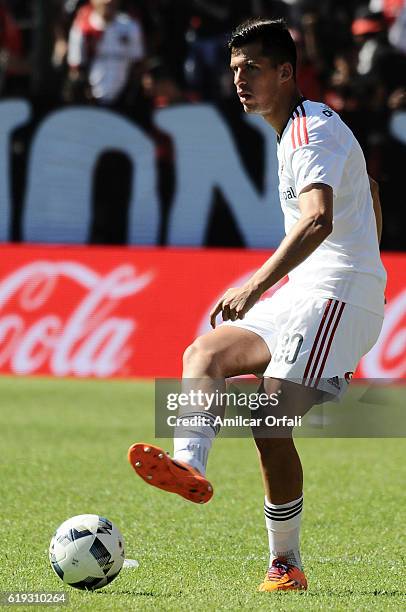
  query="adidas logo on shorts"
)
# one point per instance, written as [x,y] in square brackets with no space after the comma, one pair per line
[335,382]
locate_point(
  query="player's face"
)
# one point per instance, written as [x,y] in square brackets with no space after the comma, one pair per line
[256,79]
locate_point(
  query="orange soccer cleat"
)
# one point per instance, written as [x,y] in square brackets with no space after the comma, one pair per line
[158,469]
[282,576]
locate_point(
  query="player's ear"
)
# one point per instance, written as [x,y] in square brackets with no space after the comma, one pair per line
[285,71]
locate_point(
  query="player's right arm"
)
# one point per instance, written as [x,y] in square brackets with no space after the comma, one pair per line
[377,206]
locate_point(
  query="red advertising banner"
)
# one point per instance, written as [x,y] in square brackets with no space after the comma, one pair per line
[130,312]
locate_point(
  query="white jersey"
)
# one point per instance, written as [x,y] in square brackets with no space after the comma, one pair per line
[317,147]
[109,49]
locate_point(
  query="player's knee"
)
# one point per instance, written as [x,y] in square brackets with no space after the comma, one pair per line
[201,359]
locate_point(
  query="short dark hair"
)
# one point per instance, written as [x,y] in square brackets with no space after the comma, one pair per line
[274,36]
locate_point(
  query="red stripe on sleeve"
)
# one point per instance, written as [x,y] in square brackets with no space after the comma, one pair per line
[298,120]
[306,134]
[293,132]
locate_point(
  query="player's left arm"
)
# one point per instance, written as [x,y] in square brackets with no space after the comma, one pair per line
[311,229]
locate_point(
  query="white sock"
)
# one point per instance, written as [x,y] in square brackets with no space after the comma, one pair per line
[192,441]
[283,525]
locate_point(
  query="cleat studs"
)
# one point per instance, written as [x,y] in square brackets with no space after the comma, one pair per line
[201,502]
[149,477]
[147,449]
[160,456]
[209,488]
[138,464]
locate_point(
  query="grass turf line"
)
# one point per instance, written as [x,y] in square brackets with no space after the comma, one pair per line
[64,449]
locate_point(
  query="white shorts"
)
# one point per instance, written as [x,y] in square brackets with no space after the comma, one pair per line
[314,341]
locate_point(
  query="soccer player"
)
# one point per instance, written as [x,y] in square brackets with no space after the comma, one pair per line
[308,338]
[105,52]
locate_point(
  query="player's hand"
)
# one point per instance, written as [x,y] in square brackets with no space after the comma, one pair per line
[235,303]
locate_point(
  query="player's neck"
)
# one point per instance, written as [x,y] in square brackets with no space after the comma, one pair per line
[283,110]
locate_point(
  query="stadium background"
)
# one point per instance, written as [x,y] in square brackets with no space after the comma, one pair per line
[171,162]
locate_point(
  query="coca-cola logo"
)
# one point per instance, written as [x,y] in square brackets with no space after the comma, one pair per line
[387,359]
[61,317]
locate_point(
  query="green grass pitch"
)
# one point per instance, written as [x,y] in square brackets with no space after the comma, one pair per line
[63,452]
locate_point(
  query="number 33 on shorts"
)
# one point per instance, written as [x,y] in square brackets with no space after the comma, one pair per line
[288,347]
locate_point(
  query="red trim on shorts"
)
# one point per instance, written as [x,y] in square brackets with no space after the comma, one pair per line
[323,341]
[333,331]
[322,322]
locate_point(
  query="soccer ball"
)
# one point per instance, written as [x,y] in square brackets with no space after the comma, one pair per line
[87,552]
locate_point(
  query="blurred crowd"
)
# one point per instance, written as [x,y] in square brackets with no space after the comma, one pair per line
[137,55]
